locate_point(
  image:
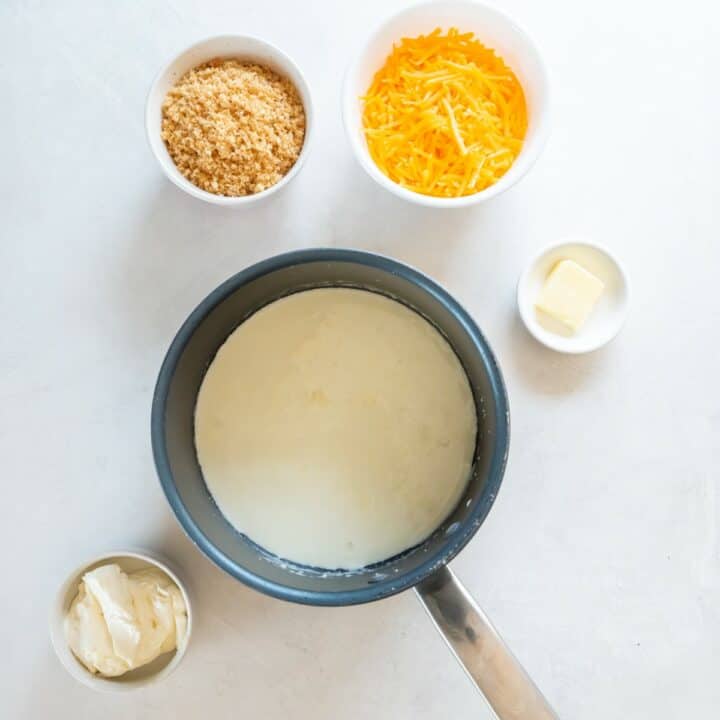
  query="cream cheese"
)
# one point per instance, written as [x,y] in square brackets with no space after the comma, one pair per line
[121,621]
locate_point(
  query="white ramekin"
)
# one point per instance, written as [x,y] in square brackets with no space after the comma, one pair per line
[224,46]
[493,29]
[606,320]
[129,561]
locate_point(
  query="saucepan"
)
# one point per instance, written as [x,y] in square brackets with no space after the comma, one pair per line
[467,631]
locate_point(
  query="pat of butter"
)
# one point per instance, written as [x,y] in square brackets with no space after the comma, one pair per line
[570,294]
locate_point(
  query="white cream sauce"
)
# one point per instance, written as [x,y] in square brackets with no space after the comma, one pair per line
[336,428]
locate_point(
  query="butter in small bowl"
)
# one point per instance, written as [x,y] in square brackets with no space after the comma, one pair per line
[569,295]
[573,297]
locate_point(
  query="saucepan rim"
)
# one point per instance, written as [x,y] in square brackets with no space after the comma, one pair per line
[393,583]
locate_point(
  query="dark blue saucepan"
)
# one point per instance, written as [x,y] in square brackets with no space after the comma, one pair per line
[469,634]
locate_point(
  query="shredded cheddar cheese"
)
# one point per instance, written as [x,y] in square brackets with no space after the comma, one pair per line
[444,116]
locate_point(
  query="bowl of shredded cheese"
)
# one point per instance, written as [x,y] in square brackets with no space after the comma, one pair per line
[446,105]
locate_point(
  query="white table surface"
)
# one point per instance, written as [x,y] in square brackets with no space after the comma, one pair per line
[600,562]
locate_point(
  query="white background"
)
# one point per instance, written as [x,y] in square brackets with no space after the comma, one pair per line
[600,562]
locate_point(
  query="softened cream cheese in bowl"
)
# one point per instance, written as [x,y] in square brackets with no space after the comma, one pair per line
[336,428]
[121,621]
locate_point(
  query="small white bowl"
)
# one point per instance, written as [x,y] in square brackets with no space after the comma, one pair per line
[608,316]
[161,667]
[493,29]
[224,46]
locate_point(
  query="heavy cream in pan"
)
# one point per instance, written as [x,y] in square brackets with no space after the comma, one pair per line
[336,428]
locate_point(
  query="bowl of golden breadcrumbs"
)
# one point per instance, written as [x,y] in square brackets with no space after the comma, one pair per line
[229,119]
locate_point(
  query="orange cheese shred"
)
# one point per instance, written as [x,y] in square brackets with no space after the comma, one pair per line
[444,116]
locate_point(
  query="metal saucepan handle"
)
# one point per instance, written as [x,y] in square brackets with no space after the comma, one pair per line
[480,650]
